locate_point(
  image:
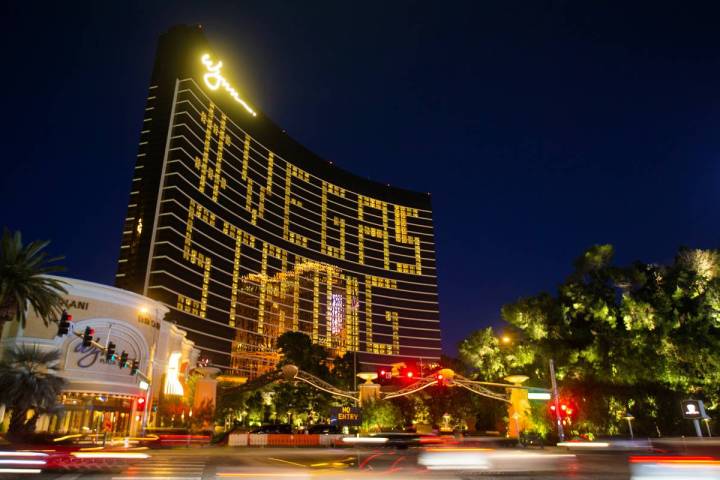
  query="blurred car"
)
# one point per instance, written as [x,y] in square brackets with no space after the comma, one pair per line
[674,467]
[274,428]
[402,440]
[77,452]
[322,429]
[168,437]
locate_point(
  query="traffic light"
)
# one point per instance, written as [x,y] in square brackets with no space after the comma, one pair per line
[408,374]
[134,367]
[565,410]
[88,336]
[110,352]
[64,324]
[440,379]
[141,402]
[384,373]
[123,359]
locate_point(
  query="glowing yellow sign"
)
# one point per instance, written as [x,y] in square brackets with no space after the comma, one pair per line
[172,382]
[214,80]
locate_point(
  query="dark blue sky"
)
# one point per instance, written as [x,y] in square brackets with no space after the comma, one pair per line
[540,127]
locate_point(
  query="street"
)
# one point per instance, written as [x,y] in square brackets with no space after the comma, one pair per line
[309,463]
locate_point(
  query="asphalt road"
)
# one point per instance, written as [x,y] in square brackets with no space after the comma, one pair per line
[311,463]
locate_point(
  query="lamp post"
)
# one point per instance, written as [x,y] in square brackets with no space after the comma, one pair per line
[628,416]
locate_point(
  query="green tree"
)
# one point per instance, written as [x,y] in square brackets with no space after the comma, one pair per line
[636,337]
[298,349]
[23,280]
[28,381]
[381,415]
[344,371]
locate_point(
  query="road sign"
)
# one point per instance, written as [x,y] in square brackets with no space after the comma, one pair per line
[539,394]
[693,409]
[342,416]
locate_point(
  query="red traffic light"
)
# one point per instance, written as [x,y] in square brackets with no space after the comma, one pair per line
[382,373]
[565,408]
[409,374]
[68,318]
[141,401]
[91,331]
[439,376]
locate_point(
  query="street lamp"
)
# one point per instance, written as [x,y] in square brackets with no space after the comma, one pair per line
[628,416]
[505,339]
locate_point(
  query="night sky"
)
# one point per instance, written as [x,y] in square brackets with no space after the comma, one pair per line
[540,127]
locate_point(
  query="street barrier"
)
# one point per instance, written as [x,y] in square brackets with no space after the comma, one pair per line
[283,440]
[258,440]
[330,440]
[238,439]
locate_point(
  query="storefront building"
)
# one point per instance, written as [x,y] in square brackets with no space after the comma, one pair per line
[99,396]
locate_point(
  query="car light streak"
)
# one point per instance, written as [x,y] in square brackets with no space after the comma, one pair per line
[366,440]
[22,454]
[584,444]
[109,455]
[23,462]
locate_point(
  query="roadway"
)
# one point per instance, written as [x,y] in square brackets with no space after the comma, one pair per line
[210,463]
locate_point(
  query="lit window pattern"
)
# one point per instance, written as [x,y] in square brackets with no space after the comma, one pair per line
[272,247]
[207,172]
[185,303]
[370,282]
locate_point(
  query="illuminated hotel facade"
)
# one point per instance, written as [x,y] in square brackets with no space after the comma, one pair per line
[245,234]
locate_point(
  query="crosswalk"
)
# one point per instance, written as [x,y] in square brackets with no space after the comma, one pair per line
[167,468]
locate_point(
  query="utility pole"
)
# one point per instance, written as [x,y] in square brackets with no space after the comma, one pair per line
[556,399]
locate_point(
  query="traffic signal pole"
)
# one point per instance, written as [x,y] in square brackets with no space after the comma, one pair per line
[138,373]
[556,399]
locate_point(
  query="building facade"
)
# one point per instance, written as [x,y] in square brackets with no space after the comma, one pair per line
[245,234]
[100,397]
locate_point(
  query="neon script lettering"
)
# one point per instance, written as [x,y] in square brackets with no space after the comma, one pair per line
[214,80]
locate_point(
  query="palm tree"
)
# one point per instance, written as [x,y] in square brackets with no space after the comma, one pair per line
[23,280]
[29,380]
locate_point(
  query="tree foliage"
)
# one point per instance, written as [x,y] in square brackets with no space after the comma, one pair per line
[29,381]
[24,280]
[381,415]
[268,400]
[632,338]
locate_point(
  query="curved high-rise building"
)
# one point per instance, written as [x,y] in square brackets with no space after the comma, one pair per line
[245,234]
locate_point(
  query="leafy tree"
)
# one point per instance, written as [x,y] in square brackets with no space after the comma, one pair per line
[381,415]
[29,381]
[23,280]
[298,349]
[634,338]
[344,371]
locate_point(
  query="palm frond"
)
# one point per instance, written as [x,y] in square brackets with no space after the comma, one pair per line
[28,377]
[24,281]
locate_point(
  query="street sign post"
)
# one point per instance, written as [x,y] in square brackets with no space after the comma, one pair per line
[694,410]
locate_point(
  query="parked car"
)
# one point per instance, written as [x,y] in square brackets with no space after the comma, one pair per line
[275,428]
[323,429]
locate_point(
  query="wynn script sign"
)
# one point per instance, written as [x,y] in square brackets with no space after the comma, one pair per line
[214,80]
